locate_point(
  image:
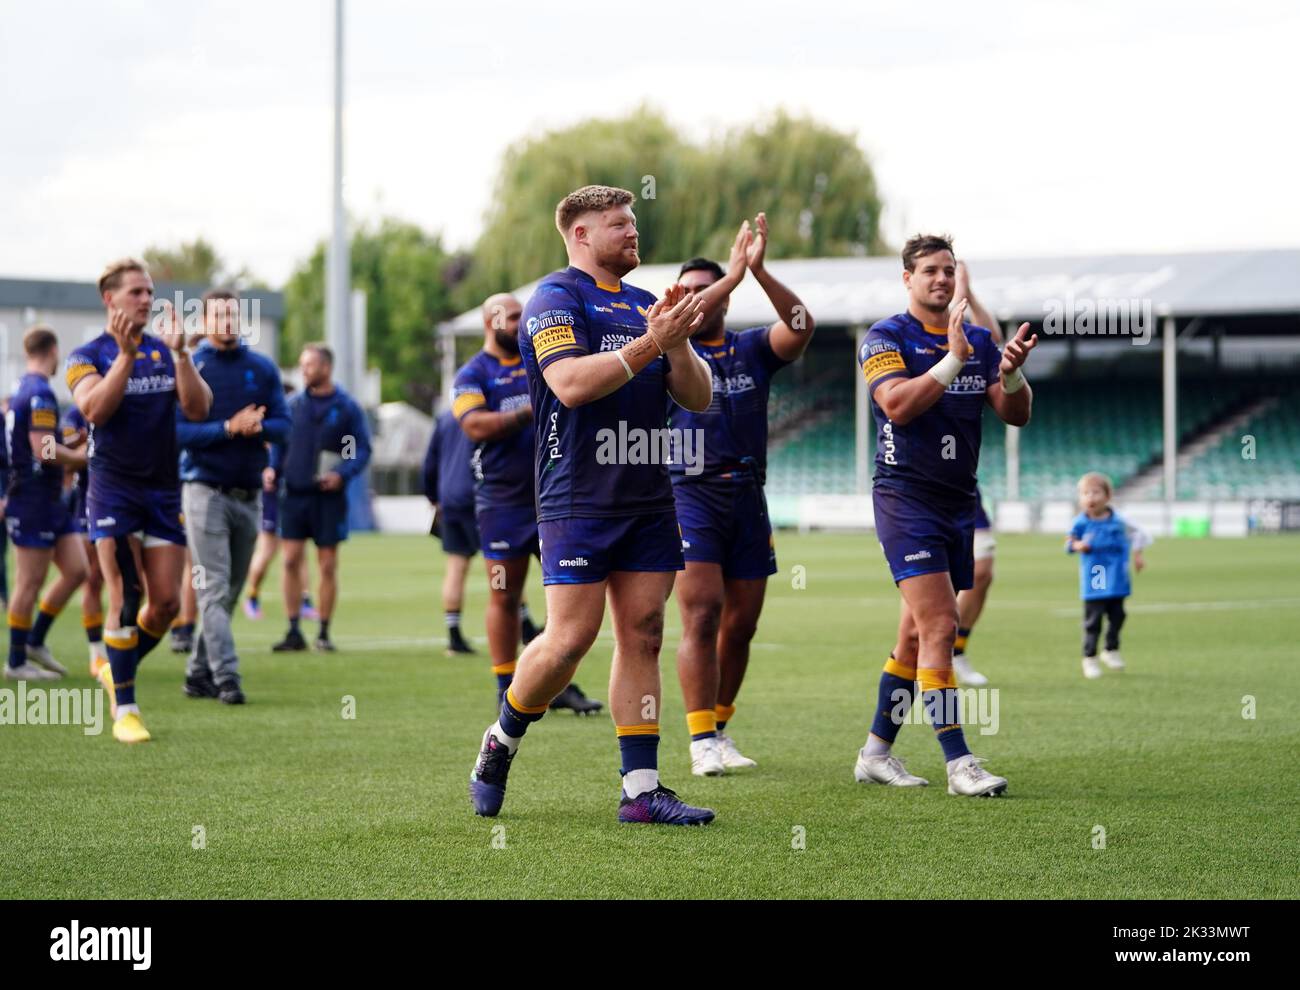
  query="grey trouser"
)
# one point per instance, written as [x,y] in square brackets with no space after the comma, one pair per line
[222,531]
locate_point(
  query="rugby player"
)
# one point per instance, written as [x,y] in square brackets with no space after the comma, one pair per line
[490,400]
[449,486]
[39,523]
[602,358]
[929,375]
[726,534]
[128,384]
[76,431]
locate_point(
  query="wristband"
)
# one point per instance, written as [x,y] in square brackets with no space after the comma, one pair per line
[946,370]
[1013,381]
[623,361]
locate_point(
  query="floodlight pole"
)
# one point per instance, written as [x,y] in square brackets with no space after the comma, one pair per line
[339,263]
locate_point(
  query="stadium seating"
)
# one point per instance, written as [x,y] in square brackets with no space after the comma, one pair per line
[1108,425]
[1273,471]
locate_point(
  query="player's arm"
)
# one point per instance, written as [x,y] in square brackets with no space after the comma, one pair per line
[903,399]
[484,426]
[96,395]
[793,330]
[979,314]
[712,297]
[1010,396]
[192,393]
[578,380]
[50,451]
[275,420]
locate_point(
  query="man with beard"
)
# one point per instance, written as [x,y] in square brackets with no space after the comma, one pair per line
[602,358]
[490,399]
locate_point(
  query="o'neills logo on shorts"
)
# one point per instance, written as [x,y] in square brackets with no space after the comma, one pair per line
[575,562]
[919,555]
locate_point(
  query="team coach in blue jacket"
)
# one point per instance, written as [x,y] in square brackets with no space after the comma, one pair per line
[328,446]
[221,473]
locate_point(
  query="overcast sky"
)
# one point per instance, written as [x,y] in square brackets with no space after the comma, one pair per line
[1020,127]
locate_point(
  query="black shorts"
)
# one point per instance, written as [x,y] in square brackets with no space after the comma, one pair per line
[321,517]
[459,531]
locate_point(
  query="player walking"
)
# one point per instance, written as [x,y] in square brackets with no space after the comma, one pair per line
[602,358]
[726,534]
[929,375]
[128,384]
[490,399]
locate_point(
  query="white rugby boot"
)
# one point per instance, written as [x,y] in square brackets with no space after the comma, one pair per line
[706,758]
[732,758]
[1091,668]
[28,671]
[967,778]
[1112,659]
[42,657]
[885,769]
[967,676]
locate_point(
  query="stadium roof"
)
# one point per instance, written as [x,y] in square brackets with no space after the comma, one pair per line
[859,291]
[20,293]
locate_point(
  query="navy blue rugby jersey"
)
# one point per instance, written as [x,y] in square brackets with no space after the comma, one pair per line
[137,445]
[938,452]
[608,457]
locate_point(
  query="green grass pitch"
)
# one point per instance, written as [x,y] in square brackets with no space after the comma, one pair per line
[296,801]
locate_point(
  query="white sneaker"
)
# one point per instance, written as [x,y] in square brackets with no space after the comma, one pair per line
[29,672]
[966,674]
[1112,659]
[969,779]
[732,758]
[886,769]
[706,758]
[42,657]
[1091,668]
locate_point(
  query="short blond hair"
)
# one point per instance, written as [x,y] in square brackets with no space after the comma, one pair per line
[1098,478]
[112,276]
[588,199]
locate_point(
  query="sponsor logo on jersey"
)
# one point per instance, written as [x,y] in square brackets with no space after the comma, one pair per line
[551,318]
[150,385]
[621,305]
[616,341]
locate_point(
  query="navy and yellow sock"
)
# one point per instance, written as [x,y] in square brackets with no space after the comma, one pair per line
[505,674]
[939,696]
[94,626]
[146,639]
[959,644]
[516,718]
[702,724]
[19,627]
[723,714]
[44,619]
[638,746]
[123,659]
[894,699]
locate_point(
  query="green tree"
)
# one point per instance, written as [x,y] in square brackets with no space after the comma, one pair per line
[815,183]
[194,261]
[403,272]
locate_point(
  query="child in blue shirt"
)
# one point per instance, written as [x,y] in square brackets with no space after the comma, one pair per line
[1103,539]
